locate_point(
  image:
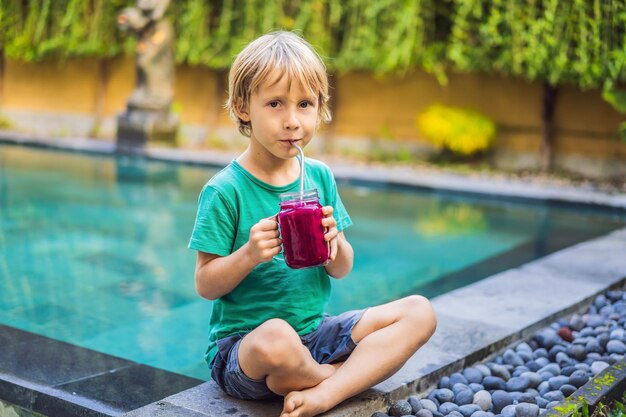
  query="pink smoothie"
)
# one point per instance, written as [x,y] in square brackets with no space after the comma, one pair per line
[302,233]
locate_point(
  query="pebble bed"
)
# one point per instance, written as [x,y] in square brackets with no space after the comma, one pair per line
[534,376]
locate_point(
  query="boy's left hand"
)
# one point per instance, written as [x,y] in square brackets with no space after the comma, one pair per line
[330,224]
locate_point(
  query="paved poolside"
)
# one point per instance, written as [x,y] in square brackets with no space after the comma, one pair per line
[474,321]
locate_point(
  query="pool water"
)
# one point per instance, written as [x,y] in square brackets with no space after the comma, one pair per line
[93,249]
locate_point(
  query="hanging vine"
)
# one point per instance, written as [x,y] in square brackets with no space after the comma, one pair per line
[580,42]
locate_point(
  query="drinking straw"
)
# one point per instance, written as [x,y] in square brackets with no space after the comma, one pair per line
[301,168]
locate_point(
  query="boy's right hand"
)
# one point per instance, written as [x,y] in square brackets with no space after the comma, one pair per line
[264,242]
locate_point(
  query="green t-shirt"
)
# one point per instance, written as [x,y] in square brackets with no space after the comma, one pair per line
[229,205]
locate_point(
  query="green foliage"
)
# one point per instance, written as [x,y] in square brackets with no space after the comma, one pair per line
[36,29]
[581,42]
[461,131]
[615,98]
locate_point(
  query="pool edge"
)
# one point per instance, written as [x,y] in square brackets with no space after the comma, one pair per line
[399,177]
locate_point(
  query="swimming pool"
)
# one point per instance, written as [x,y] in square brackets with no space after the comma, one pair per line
[93,249]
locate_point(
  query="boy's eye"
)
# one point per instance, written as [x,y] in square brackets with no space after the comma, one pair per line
[273,104]
[305,104]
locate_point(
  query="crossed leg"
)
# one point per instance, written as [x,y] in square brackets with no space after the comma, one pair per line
[273,351]
[386,336]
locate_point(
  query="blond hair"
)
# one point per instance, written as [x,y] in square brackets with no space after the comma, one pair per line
[276,52]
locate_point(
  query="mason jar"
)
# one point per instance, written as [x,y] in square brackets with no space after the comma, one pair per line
[301,230]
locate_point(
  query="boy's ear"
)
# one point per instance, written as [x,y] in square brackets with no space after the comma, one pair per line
[242,110]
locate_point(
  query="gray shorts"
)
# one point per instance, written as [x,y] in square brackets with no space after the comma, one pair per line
[331,342]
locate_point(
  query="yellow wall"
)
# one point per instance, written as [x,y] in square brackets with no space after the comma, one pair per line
[364,106]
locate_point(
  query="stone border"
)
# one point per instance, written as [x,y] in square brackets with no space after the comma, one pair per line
[608,385]
[474,321]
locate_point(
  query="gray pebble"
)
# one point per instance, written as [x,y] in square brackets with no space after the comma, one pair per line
[444,395]
[533,366]
[464,397]
[594,320]
[515,396]
[532,391]
[578,378]
[494,382]
[481,413]
[587,331]
[484,369]
[415,403]
[424,413]
[476,387]
[523,347]
[526,356]
[500,399]
[547,338]
[562,359]
[598,366]
[567,390]
[576,322]
[554,396]
[499,371]
[379,414]
[593,346]
[534,378]
[582,367]
[508,411]
[543,387]
[512,358]
[553,368]
[429,405]
[577,352]
[455,414]
[400,408]
[458,378]
[483,400]
[541,402]
[517,383]
[468,409]
[447,408]
[568,370]
[527,410]
[460,387]
[603,340]
[473,375]
[556,381]
[616,346]
[552,404]
[527,398]
[444,382]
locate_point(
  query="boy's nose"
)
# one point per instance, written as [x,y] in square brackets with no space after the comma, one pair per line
[291,121]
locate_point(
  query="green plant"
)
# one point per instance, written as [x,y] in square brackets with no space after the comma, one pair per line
[577,42]
[461,131]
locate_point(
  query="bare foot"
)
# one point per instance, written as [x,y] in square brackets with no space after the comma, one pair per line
[306,403]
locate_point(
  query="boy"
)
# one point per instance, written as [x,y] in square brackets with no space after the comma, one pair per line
[268,332]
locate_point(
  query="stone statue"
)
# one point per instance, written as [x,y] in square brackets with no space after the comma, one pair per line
[148,116]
